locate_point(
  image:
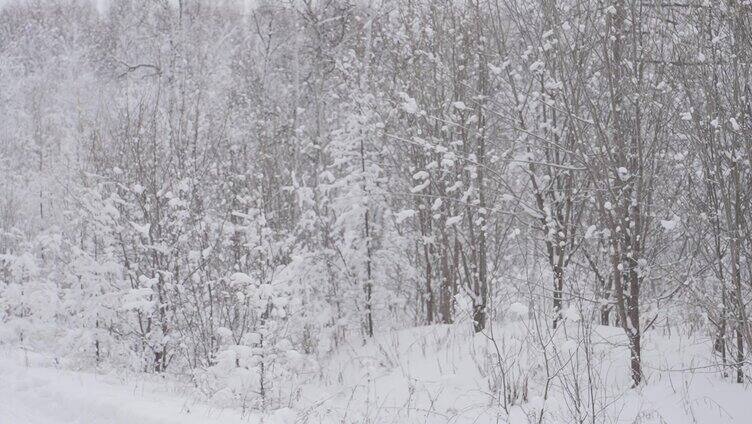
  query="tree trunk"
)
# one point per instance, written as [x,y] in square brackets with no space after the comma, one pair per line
[479,317]
[446,283]
[605,315]
[558,288]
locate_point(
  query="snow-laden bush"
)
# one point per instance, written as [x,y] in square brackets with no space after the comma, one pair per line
[257,375]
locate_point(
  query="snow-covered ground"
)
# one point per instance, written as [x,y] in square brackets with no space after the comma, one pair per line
[40,393]
[444,374]
[436,374]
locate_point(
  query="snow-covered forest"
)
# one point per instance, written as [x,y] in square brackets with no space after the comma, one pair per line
[375,211]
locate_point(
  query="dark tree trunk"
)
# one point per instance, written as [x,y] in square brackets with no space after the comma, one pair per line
[446,284]
[558,288]
[479,317]
[739,356]
[635,359]
[605,315]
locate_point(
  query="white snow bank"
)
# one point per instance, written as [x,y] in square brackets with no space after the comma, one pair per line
[44,395]
[436,374]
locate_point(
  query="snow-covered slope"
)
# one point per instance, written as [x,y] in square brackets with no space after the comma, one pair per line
[434,374]
[43,394]
[445,374]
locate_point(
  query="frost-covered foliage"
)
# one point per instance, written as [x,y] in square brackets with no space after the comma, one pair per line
[237,192]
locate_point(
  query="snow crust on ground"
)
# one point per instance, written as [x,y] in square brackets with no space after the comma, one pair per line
[40,393]
[445,374]
[434,374]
